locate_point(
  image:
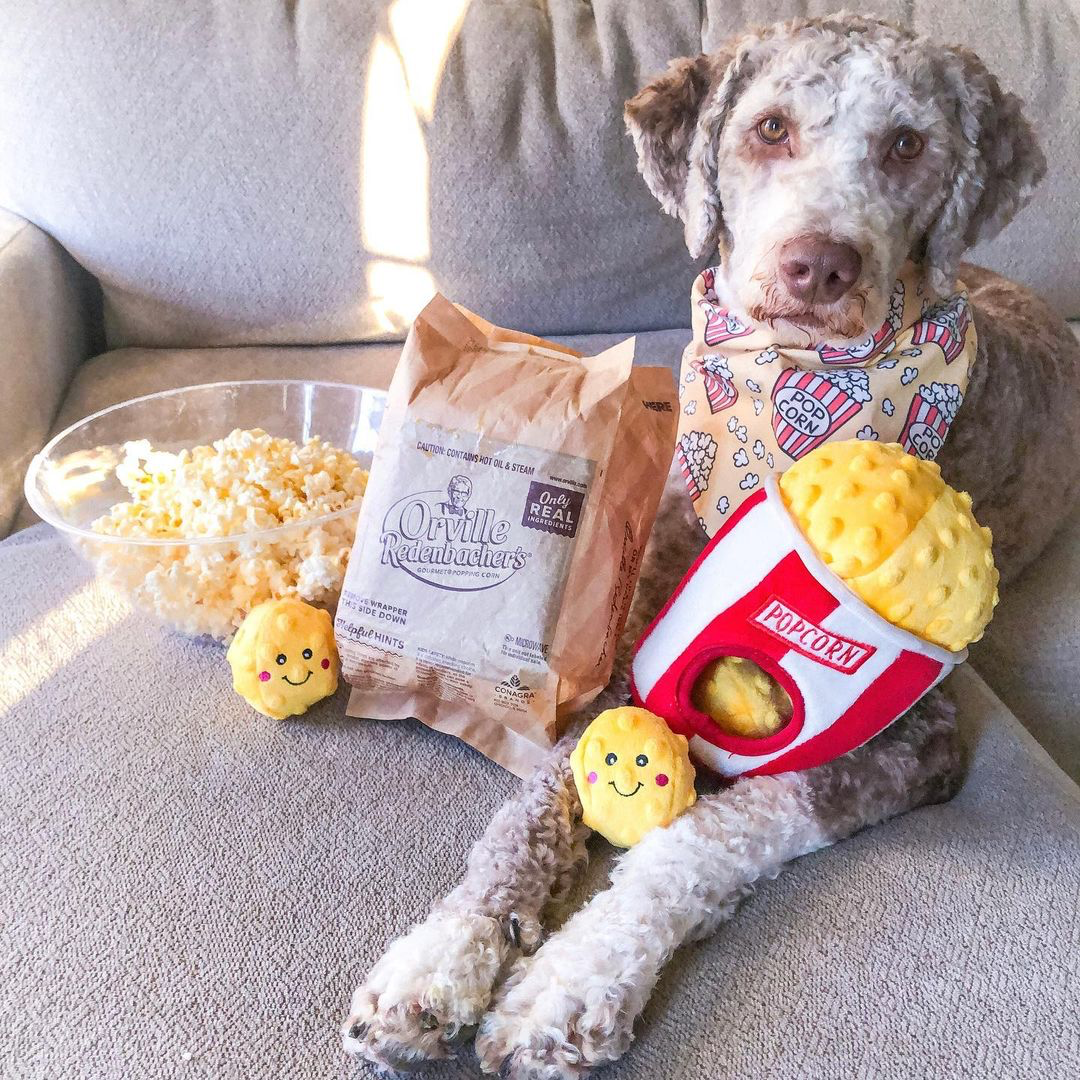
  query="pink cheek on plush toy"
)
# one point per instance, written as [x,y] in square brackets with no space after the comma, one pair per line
[264,676]
[661,779]
[325,664]
[592,778]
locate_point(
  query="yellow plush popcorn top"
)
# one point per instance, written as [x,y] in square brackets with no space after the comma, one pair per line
[633,774]
[284,658]
[903,540]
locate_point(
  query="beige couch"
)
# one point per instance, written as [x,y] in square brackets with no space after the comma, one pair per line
[218,189]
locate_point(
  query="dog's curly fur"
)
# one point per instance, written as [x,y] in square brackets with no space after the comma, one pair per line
[559,1008]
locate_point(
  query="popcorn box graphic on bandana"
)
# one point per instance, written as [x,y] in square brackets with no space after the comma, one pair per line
[810,406]
[719,389]
[720,325]
[877,342]
[932,411]
[849,672]
[696,454]
[944,325]
[750,407]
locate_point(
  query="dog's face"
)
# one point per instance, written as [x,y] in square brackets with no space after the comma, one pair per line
[819,155]
[828,170]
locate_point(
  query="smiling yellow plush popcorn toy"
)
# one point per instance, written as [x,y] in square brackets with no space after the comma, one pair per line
[283,657]
[633,773]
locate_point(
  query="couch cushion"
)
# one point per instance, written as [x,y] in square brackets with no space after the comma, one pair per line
[126,373]
[307,173]
[121,374]
[192,890]
[1031,652]
[42,339]
[290,173]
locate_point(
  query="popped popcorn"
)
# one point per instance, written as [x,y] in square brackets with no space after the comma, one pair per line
[247,482]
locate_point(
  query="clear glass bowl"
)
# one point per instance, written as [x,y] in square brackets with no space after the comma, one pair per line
[206,584]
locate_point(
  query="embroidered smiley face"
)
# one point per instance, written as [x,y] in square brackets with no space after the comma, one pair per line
[283,657]
[632,773]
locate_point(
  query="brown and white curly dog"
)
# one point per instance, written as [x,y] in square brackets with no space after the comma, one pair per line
[857,141]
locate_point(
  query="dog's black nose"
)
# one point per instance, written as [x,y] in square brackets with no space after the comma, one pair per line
[816,270]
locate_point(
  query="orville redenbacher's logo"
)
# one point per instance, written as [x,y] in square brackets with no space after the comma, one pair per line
[437,538]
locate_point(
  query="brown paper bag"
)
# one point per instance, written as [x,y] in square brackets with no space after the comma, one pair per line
[501,534]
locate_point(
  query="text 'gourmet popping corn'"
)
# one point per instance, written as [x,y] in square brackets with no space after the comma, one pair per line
[246,483]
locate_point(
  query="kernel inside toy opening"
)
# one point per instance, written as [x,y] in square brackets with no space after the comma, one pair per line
[741,698]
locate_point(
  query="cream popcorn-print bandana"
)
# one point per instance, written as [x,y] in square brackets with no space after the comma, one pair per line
[751,407]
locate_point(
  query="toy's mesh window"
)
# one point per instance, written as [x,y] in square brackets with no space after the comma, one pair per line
[741,698]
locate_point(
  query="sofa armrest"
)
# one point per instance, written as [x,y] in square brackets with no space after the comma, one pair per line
[45,331]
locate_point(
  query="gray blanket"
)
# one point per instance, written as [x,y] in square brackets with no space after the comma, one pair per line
[192,890]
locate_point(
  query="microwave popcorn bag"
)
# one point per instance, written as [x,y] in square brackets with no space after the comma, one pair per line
[499,542]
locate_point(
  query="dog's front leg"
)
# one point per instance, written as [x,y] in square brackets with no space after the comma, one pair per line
[572,1006]
[432,985]
[430,988]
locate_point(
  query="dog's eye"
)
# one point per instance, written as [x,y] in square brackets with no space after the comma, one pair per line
[642,761]
[306,654]
[772,130]
[281,658]
[611,759]
[907,145]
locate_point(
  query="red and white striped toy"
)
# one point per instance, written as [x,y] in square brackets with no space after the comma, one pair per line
[760,591]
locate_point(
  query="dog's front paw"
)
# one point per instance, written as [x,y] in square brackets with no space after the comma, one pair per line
[427,992]
[564,1011]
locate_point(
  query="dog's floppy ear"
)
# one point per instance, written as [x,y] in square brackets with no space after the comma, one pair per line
[997,164]
[675,122]
[661,119]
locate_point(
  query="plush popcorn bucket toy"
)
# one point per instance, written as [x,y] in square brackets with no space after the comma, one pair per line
[854,584]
